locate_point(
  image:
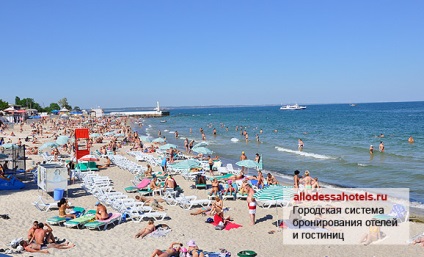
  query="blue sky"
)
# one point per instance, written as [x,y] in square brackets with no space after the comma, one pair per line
[133,53]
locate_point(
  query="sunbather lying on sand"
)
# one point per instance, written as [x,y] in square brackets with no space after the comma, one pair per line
[173,250]
[147,230]
[419,240]
[202,210]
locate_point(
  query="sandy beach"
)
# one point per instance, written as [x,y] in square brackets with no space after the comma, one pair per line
[119,240]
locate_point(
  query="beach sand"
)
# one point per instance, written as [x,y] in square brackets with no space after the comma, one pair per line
[120,241]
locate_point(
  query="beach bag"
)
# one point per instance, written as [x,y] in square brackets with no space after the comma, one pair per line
[220,226]
[15,243]
[209,220]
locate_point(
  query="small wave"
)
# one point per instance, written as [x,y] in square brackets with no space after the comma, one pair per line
[234,140]
[363,165]
[171,132]
[150,126]
[313,155]
[166,130]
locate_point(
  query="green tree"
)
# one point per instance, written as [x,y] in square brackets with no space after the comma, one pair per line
[3,104]
[51,107]
[64,103]
[77,109]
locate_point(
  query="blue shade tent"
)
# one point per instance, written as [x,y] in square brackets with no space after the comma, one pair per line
[167,146]
[202,150]
[62,140]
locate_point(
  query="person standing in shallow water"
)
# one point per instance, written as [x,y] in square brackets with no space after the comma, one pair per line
[371,149]
[381,147]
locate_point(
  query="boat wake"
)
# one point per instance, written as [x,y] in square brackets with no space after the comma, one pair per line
[313,155]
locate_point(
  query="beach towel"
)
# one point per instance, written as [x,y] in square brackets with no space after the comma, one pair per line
[160,232]
[144,183]
[228,225]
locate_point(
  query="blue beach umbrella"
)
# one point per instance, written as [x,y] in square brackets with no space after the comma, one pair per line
[62,140]
[159,140]
[3,156]
[120,135]
[202,150]
[145,138]
[167,146]
[248,164]
[186,164]
[201,144]
[95,135]
[48,144]
[10,146]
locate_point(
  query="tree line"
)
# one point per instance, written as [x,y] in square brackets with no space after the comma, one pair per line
[30,103]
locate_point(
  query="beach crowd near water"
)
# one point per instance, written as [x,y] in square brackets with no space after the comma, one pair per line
[214,222]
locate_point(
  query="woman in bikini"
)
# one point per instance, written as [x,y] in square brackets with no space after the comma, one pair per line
[217,206]
[63,205]
[147,230]
[307,181]
[215,187]
[173,251]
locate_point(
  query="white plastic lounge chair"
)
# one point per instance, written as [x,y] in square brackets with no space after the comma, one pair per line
[42,205]
[187,204]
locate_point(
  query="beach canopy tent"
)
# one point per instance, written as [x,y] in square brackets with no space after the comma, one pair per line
[63,110]
[202,150]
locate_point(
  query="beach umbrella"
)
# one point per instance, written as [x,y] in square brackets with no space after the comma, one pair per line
[89,158]
[186,164]
[159,140]
[10,146]
[248,164]
[167,146]
[202,150]
[48,144]
[3,156]
[110,133]
[95,135]
[274,193]
[62,140]
[201,144]
[146,139]
[120,135]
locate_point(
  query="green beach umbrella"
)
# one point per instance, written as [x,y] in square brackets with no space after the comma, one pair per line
[274,193]
[10,146]
[202,150]
[167,146]
[120,135]
[62,140]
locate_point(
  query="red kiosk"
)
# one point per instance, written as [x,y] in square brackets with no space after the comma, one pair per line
[81,142]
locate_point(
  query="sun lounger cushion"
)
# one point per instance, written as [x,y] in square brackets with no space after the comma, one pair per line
[56,220]
[97,223]
[144,183]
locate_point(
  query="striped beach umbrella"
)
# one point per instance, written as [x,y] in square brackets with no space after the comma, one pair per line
[248,164]
[186,164]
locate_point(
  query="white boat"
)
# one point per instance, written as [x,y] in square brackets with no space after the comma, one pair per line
[292,107]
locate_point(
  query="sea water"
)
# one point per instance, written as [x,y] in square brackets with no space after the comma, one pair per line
[336,140]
